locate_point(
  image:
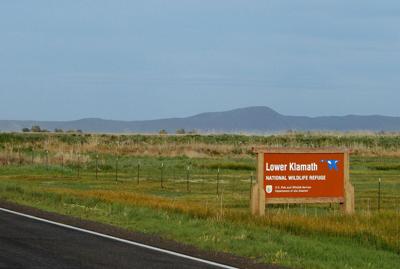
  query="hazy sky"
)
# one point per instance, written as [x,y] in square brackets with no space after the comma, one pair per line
[114,59]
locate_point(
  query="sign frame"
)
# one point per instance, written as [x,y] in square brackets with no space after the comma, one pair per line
[258,197]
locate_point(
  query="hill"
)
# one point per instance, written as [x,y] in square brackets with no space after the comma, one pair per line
[251,119]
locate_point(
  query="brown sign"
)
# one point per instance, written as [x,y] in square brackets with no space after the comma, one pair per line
[304,175]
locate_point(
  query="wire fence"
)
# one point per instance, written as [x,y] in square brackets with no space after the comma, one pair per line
[178,176]
[163,176]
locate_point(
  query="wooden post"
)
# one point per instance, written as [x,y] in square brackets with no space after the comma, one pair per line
[258,197]
[97,165]
[348,206]
[187,179]
[254,200]
[162,176]
[251,185]
[116,169]
[218,182]
[138,172]
[379,194]
[62,165]
[47,160]
[79,165]
[19,156]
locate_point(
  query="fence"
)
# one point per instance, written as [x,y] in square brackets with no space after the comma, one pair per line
[175,176]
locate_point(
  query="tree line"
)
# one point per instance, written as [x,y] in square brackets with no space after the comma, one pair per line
[38,129]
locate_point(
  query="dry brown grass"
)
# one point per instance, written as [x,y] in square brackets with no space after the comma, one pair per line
[378,229]
[192,149]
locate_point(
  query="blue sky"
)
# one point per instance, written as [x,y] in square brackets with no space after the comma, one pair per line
[63,60]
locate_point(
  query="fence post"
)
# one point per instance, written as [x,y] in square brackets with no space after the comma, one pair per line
[218,181]
[79,165]
[62,164]
[9,156]
[162,175]
[116,169]
[47,160]
[187,178]
[19,156]
[138,172]
[379,194]
[251,184]
[97,165]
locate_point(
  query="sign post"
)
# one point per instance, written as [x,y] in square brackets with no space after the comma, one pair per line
[298,176]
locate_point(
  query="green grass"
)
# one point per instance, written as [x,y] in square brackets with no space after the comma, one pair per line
[300,236]
[264,244]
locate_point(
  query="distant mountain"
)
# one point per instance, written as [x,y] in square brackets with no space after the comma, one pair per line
[250,119]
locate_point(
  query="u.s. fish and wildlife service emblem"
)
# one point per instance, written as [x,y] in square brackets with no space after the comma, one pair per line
[268,188]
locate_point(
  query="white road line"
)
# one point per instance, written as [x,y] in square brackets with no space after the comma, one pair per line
[119,239]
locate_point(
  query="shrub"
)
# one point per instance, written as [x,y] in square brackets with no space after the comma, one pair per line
[163,132]
[36,129]
[181,131]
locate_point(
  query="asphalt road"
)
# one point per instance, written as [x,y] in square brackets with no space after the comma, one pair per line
[28,243]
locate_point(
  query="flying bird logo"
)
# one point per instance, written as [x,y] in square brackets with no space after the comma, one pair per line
[332,164]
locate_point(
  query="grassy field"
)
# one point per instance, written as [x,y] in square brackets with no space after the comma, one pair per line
[201,184]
